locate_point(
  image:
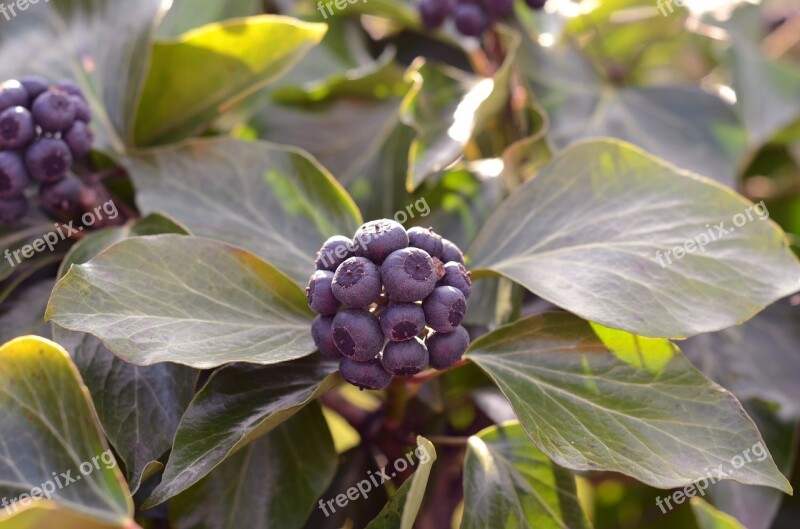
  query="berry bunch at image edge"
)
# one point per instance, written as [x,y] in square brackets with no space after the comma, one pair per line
[389,302]
[43,129]
[471,17]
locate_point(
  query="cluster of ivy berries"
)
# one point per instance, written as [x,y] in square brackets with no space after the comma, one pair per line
[471,17]
[389,302]
[43,129]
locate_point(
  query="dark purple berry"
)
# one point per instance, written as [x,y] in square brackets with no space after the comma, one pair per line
[357,334]
[82,111]
[48,159]
[536,4]
[13,94]
[16,128]
[319,293]
[445,349]
[334,252]
[322,334]
[80,139]
[426,239]
[13,209]
[444,309]
[451,252]
[405,358]
[434,12]
[34,85]
[408,275]
[13,177]
[365,375]
[499,8]
[455,275]
[471,20]
[402,321]
[375,240]
[71,87]
[357,283]
[54,111]
[63,195]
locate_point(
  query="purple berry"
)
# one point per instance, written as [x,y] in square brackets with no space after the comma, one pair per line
[13,209]
[13,177]
[408,275]
[426,239]
[471,20]
[80,139]
[365,375]
[357,334]
[445,349]
[13,94]
[54,111]
[319,293]
[322,334]
[34,85]
[16,128]
[405,358]
[334,252]
[434,12]
[455,275]
[71,87]
[536,4]
[63,195]
[402,321]
[375,240]
[82,111]
[357,283]
[499,8]
[451,252]
[444,309]
[48,160]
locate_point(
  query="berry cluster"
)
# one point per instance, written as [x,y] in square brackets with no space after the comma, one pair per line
[43,129]
[471,17]
[390,302]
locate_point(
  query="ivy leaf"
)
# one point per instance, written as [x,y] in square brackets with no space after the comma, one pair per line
[238,56]
[273,482]
[48,427]
[508,482]
[239,404]
[710,518]
[272,200]
[153,299]
[138,407]
[609,400]
[590,234]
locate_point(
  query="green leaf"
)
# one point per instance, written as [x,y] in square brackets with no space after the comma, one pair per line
[639,408]
[710,518]
[273,482]
[402,509]
[508,482]
[756,360]
[103,46]
[49,427]
[138,407]
[271,200]
[237,56]
[696,130]
[238,404]
[187,300]
[590,234]
[185,15]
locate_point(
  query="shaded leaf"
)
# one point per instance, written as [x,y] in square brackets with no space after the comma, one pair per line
[710,518]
